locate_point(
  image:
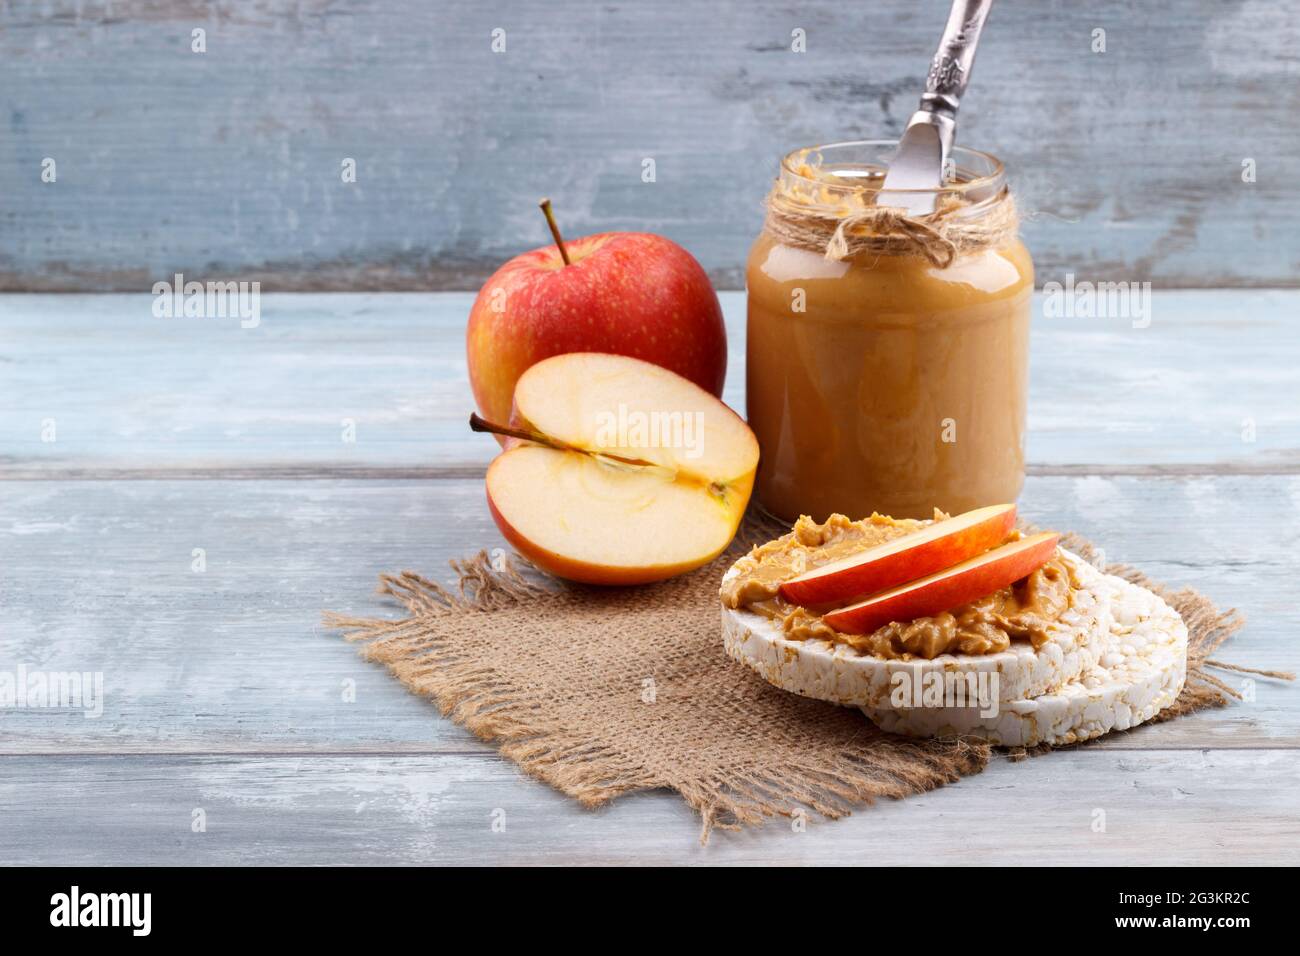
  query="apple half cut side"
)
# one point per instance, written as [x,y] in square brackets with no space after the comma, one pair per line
[650,479]
[981,575]
[916,555]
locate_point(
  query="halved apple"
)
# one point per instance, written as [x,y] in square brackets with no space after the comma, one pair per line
[933,548]
[619,471]
[948,589]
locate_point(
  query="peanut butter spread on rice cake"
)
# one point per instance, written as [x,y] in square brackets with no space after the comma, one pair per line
[1020,612]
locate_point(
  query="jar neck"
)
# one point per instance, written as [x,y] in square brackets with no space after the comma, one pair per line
[825,201]
[844,179]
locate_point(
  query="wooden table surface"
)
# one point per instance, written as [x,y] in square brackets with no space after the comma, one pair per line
[1176,446]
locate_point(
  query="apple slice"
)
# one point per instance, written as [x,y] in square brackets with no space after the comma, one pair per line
[618,471]
[947,589]
[933,548]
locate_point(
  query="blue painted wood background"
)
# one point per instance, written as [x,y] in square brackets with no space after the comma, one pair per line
[227,163]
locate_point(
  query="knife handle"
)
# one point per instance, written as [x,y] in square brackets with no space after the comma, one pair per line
[952,63]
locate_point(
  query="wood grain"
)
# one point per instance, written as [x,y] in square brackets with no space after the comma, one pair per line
[99,577]
[137,395]
[227,164]
[1157,807]
[223,693]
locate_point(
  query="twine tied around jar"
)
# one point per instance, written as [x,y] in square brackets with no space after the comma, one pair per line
[942,236]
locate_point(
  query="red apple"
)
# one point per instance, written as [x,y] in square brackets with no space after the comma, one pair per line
[933,548]
[989,572]
[626,293]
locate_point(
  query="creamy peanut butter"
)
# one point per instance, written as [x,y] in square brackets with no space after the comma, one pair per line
[881,381]
[1021,612]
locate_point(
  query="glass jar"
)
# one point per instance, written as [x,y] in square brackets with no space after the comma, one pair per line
[884,381]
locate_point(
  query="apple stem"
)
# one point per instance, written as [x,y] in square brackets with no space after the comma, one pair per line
[545,205]
[479,424]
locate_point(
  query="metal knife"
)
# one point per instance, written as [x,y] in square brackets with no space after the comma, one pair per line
[923,150]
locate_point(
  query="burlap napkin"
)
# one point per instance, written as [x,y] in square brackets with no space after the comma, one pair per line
[602,691]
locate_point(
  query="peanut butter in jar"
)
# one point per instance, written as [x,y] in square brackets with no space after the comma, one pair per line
[887,357]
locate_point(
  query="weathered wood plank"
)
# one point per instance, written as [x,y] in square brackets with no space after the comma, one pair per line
[133,393]
[98,577]
[227,164]
[1157,807]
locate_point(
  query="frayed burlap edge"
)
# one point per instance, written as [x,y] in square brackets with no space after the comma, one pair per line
[494,709]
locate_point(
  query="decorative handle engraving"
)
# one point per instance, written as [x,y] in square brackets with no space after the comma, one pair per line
[951,66]
[946,75]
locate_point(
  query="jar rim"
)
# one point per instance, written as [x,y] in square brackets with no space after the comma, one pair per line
[984,174]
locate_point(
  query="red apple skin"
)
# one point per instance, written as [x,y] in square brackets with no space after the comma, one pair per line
[629,293]
[948,589]
[858,580]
